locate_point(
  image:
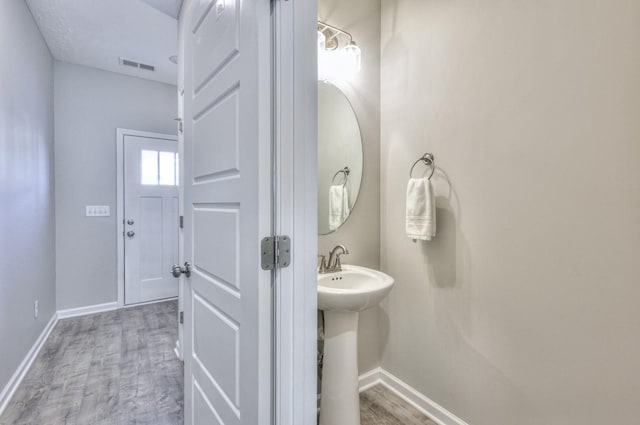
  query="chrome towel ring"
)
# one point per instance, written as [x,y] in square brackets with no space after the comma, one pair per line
[428,159]
[344,171]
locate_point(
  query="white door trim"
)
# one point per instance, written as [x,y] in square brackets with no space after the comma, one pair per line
[295,122]
[120,135]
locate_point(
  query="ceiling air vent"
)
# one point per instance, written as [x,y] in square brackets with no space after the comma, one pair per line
[147,67]
[134,64]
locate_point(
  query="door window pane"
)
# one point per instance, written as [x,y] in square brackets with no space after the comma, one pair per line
[177,169]
[168,168]
[149,167]
[159,168]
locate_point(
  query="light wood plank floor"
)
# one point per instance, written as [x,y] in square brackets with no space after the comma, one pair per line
[380,406]
[114,368]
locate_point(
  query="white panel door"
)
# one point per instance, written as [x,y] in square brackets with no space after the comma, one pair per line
[151,218]
[227,212]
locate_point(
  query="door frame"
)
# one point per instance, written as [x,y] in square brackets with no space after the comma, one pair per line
[120,137]
[294,53]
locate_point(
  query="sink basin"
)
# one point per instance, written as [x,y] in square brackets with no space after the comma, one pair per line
[355,288]
[342,296]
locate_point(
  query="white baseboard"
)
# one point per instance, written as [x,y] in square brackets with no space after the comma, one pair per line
[433,410]
[369,379]
[19,374]
[161,300]
[90,309]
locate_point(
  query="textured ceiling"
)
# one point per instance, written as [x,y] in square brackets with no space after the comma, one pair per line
[97,32]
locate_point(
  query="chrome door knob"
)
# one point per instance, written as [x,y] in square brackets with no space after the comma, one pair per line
[176,270]
[130,233]
[130,222]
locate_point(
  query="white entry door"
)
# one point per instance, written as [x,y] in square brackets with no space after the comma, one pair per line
[151,218]
[227,210]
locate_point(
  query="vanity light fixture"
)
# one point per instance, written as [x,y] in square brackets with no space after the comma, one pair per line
[322,41]
[339,57]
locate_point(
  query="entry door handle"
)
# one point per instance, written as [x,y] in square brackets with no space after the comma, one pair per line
[176,270]
[131,233]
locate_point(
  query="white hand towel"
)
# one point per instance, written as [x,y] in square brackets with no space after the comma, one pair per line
[338,206]
[421,210]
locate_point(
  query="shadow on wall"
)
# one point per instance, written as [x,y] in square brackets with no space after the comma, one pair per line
[440,255]
[447,258]
[448,312]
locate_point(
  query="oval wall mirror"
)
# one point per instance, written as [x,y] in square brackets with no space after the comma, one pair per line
[340,158]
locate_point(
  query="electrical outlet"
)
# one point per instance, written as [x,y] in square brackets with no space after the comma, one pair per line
[35,309]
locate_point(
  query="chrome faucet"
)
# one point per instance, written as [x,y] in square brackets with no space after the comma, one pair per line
[322,268]
[333,265]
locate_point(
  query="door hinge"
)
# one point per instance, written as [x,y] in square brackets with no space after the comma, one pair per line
[182,222]
[276,252]
[181,317]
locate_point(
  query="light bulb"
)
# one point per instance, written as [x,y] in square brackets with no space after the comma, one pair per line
[341,64]
[352,58]
[322,42]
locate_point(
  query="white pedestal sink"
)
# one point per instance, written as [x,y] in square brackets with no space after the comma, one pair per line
[342,295]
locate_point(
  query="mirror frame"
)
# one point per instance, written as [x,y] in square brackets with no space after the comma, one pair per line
[359,127]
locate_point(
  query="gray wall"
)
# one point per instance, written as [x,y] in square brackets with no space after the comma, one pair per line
[524,309]
[27,220]
[361,232]
[90,104]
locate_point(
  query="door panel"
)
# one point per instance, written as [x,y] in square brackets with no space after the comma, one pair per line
[227,212]
[218,358]
[151,236]
[203,410]
[151,219]
[220,120]
[219,261]
[217,38]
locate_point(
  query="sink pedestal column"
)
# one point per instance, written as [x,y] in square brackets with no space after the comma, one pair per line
[340,402]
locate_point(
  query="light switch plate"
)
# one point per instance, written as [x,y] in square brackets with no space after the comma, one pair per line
[98,211]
